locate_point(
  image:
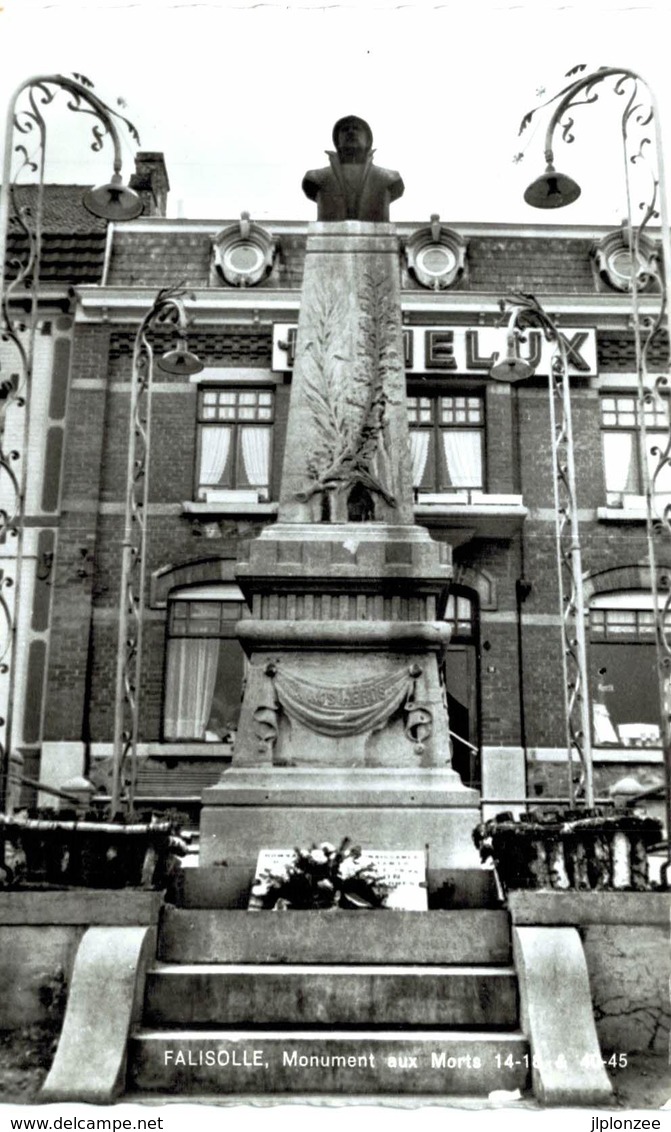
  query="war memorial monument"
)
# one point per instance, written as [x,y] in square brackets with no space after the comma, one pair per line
[344,726]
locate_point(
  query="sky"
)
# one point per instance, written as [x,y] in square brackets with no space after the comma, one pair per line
[242,98]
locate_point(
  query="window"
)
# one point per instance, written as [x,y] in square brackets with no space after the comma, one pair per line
[234,442]
[204,664]
[459,616]
[244,253]
[435,256]
[622,448]
[447,442]
[615,262]
[623,670]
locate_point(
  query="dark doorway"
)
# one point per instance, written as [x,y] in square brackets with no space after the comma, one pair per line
[461,683]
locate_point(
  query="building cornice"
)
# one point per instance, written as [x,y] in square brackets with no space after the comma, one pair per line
[217,305]
[130,304]
[403,227]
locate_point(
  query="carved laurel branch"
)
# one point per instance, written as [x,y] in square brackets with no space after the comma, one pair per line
[349,416]
[323,388]
[377,357]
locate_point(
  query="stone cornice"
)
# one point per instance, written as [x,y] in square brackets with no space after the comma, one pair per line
[404,228]
[130,304]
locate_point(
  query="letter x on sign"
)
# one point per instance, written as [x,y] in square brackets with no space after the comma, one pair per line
[573,347]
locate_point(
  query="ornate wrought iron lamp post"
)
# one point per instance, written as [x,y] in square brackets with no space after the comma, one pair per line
[525,311]
[112,201]
[554,190]
[168,308]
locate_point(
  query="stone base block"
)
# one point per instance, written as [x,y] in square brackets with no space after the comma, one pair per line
[438,1062]
[258,808]
[40,932]
[36,966]
[341,554]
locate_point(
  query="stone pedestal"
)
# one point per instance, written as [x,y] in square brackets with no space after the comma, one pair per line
[378,809]
[344,646]
[344,728]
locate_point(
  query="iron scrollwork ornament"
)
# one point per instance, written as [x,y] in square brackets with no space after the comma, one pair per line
[168,309]
[21,217]
[650,270]
[521,312]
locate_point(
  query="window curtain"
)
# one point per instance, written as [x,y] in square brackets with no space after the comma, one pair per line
[419,451]
[463,456]
[604,731]
[215,444]
[190,682]
[618,455]
[256,455]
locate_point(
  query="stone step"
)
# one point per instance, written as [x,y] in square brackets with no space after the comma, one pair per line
[273,994]
[464,1101]
[227,886]
[209,935]
[433,1062]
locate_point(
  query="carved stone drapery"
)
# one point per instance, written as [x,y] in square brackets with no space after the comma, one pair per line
[340,710]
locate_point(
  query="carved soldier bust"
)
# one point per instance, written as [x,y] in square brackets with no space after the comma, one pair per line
[351,187]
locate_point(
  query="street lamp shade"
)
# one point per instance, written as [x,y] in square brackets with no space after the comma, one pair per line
[114,201]
[513,368]
[552,190]
[180,361]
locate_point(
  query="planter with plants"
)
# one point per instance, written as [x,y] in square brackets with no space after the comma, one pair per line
[571,850]
[68,849]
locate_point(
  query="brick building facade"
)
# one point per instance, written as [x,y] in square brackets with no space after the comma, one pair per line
[483,474]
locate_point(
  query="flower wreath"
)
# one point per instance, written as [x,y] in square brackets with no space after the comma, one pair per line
[321,877]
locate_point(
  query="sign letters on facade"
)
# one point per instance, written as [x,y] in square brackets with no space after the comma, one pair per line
[464,350]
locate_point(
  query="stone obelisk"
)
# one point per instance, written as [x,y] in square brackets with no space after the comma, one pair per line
[344,728]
